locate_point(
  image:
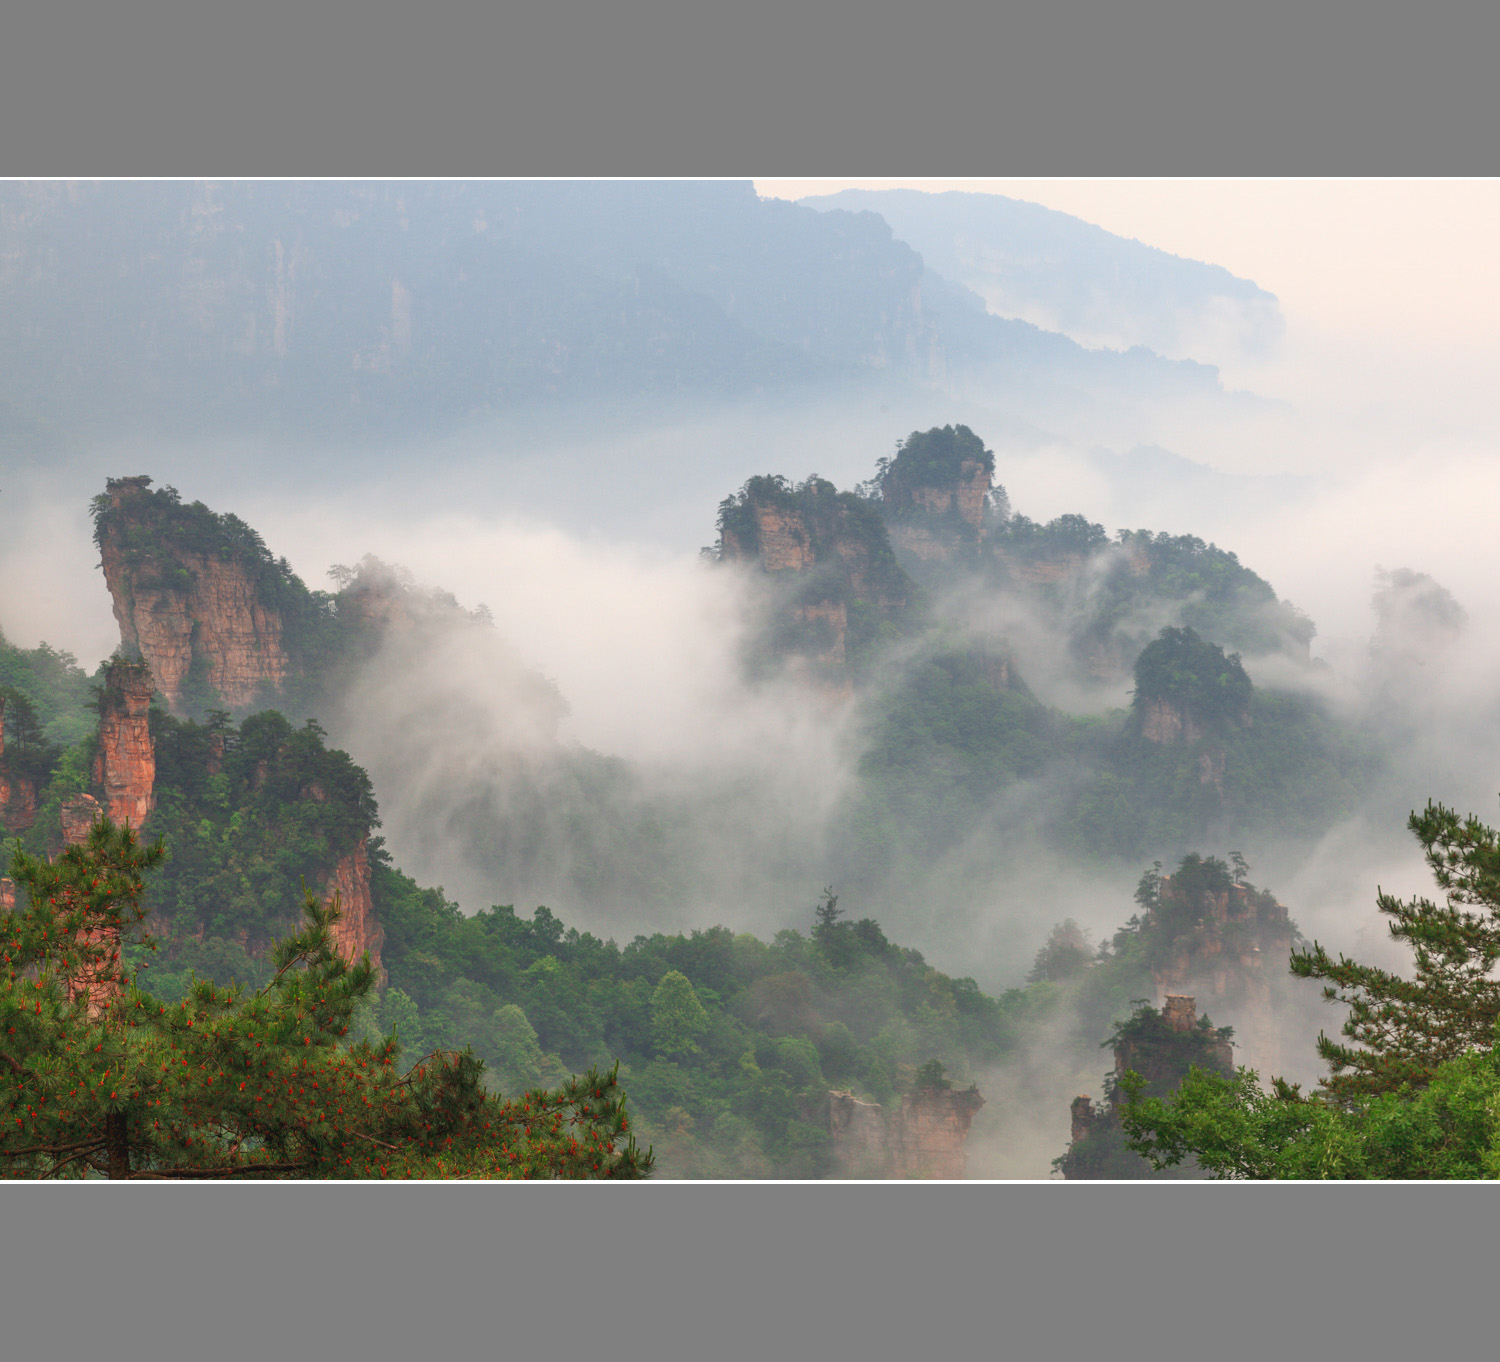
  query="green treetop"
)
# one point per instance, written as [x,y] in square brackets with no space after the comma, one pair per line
[677,1016]
[103,1077]
[1403,1029]
[1415,1094]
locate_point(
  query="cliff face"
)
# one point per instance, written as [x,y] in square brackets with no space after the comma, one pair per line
[923,1138]
[357,930]
[1189,693]
[17,801]
[125,766]
[1237,938]
[930,1131]
[79,814]
[192,608]
[931,522]
[1167,723]
[935,493]
[1157,1063]
[832,577]
[1161,1047]
[778,538]
[859,1138]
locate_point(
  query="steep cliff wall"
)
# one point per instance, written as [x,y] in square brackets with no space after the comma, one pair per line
[935,492]
[930,1130]
[79,814]
[922,1138]
[1167,723]
[858,1136]
[357,929]
[1229,945]
[190,594]
[832,578]
[1161,1047]
[125,764]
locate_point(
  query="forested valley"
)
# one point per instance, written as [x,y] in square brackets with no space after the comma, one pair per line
[967,806]
[827,1048]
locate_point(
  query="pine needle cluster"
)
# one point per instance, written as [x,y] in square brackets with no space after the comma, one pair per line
[1402,1029]
[98,1077]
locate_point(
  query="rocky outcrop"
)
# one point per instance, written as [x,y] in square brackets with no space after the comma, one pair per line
[17,789]
[779,540]
[858,1136]
[1161,1048]
[1082,1117]
[357,929]
[1190,694]
[930,1130]
[1238,938]
[935,493]
[188,603]
[923,1138]
[17,801]
[1167,723]
[826,557]
[79,814]
[125,765]
[1156,1063]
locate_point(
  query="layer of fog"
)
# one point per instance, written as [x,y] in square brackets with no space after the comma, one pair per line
[583,546]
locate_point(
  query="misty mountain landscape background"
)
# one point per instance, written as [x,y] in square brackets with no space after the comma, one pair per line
[671,556]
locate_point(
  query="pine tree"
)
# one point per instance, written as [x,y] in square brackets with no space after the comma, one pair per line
[1403,1029]
[98,1075]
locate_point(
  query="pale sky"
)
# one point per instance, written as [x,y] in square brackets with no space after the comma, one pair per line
[1390,288]
[1345,255]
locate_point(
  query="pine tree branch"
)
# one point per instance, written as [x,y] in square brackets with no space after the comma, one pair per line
[372,1140]
[95,1143]
[241,1171]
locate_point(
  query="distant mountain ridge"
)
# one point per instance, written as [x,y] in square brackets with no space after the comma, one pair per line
[366,306]
[1070,276]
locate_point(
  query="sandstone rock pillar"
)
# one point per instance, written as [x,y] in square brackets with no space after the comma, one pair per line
[126,764]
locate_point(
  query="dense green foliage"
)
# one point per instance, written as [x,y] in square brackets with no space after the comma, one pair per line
[28,755]
[111,1079]
[958,731]
[1065,953]
[936,459]
[1404,1029]
[727,1044]
[953,731]
[249,813]
[1233,1128]
[1416,1095]
[54,685]
[1152,1058]
[1194,677]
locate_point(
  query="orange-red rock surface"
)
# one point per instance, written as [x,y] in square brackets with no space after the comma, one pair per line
[125,766]
[357,930]
[209,609]
[923,1138]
